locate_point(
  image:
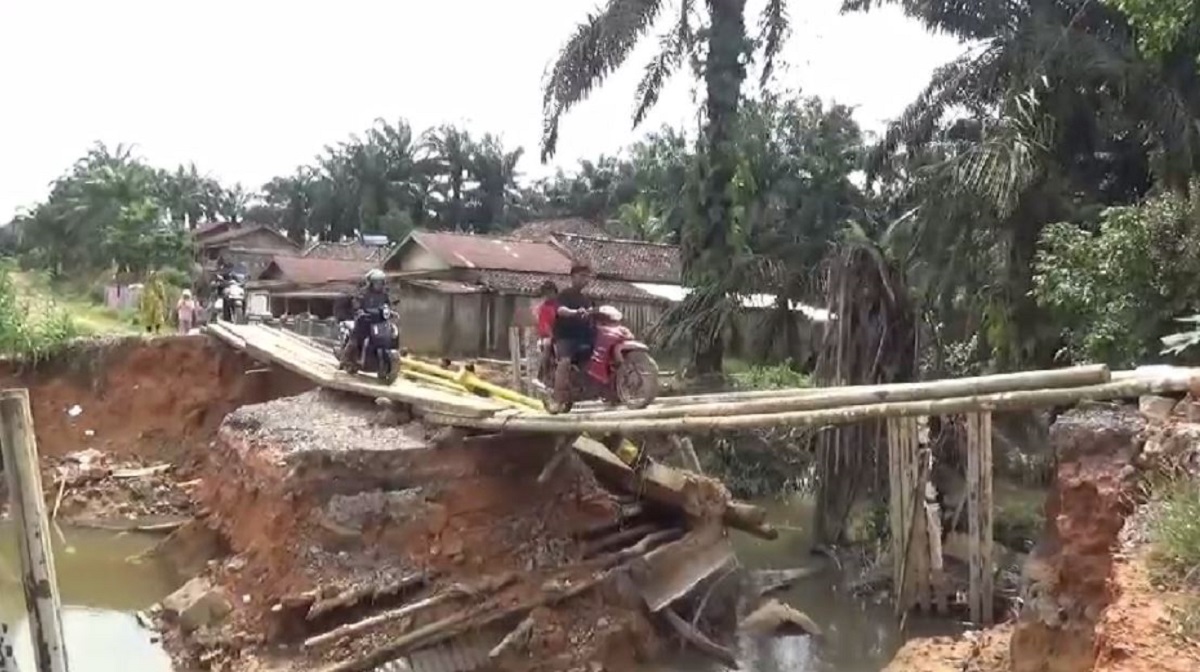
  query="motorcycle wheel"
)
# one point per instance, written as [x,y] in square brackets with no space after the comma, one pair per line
[388,371]
[637,380]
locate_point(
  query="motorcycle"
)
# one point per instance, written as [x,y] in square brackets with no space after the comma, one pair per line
[233,299]
[379,351]
[620,370]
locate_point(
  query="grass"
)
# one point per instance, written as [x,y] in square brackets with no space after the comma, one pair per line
[766,376]
[88,317]
[1174,532]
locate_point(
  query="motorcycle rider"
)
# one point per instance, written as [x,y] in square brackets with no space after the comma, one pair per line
[573,331]
[371,297]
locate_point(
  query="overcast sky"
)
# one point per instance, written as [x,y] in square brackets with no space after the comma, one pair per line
[253,88]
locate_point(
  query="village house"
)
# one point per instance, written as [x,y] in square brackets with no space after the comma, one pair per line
[315,281]
[253,245]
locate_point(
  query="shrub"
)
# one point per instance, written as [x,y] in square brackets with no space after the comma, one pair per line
[28,331]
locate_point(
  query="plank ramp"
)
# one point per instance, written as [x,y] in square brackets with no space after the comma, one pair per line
[304,357]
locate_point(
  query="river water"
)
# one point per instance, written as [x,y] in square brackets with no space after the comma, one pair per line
[100,591]
[858,635]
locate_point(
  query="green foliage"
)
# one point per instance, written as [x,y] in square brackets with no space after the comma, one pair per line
[1175,532]
[772,377]
[27,331]
[1162,26]
[1115,291]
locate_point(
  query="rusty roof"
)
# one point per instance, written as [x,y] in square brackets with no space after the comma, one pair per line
[306,270]
[354,250]
[528,283]
[543,229]
[234,234]
[629,260]
[458,250]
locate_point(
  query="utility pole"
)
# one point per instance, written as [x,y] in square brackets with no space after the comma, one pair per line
[18,446]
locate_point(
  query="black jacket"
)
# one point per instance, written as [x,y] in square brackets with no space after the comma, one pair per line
[372,299]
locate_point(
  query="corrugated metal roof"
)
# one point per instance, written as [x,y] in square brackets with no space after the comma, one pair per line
[631,260]
[306,270]
[490,253]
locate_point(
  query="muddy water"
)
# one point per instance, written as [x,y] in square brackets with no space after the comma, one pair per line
[859,636]
[100,592]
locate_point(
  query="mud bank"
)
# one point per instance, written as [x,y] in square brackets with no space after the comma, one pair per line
[354,541]
[148,398]
[1086,603]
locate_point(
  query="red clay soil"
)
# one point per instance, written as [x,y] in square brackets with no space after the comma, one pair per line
[140,396]
[315,492]
[1087,606]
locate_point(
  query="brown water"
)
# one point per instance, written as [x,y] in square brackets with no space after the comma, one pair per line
[100,589]
[859,636]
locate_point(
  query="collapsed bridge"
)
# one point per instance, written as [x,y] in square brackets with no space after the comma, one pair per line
[461,402]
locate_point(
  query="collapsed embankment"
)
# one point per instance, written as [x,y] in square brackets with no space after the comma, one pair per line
[337,518]
[107,412]
[1086,603]
[327,531]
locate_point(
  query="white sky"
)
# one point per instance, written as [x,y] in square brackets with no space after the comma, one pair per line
[250,89]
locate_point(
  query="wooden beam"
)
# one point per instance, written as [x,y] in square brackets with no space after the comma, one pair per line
[19,449]
[979,518]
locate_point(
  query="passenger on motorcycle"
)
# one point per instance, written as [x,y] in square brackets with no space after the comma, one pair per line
[573,330]
[370,299]
[544,314]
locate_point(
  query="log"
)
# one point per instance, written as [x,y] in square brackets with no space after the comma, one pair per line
[452,593]
[468,619]
[698,640]
[663,485]
[518,636]
[356,594]
[1002,401]
[20,459]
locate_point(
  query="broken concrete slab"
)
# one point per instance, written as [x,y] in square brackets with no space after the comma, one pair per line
[775,619]
[197,604]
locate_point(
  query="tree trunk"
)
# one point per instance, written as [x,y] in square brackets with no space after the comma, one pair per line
[708,254]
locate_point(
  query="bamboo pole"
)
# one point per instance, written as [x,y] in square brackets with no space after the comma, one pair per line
[1002,401]
[1084,375]
[19,449]
[875,394]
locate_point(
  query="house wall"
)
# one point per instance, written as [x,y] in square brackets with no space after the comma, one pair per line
[437,323]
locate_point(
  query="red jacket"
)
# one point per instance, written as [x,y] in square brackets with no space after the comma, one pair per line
[546,312]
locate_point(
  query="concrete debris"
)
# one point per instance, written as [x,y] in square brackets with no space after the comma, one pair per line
[775,619]
[1156,408]
[196,605]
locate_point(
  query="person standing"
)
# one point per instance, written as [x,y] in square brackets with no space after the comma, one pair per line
[185,312]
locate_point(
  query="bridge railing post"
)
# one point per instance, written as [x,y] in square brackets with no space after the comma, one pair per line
[19,449]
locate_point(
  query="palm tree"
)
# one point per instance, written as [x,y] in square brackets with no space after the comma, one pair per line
[1060,108]
[603,42]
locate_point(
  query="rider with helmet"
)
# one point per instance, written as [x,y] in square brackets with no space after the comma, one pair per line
[367,304]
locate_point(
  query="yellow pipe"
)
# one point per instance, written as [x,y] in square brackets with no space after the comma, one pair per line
[440,383]
[464,381]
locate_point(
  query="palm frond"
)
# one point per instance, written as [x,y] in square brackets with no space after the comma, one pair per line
[774,27]
[599,46]
[658,71]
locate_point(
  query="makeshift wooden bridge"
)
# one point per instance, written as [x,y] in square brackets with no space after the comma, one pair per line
[459,398]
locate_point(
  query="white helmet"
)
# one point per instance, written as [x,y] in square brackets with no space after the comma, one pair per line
[374,275]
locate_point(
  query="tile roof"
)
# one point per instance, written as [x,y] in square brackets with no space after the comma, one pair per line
[543,229]
[528,283]
[354,250]
[307,271]
[629,260]
[459,250]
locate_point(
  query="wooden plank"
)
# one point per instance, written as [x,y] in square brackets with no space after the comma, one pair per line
[895,503]
[19,449]
[986,508]
[974,580]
